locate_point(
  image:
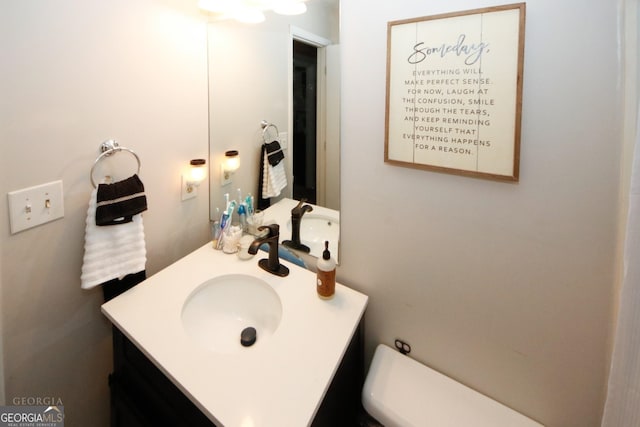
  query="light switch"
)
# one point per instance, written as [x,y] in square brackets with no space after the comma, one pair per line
[36,205]
[284,140]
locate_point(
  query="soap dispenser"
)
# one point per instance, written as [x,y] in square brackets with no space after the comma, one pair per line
[326,276]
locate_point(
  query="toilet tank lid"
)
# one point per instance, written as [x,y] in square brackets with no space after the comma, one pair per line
[400,391]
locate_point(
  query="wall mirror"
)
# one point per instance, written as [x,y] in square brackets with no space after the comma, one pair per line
[284,70]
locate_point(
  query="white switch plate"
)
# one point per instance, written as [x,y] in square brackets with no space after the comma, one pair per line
[284,140]
[225,178]
[187,191]
[36,205]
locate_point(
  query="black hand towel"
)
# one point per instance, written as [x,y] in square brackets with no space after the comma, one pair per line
[118,202]
[262,203]
[274,153]
[115,287]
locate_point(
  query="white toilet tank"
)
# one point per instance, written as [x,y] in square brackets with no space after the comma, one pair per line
[400,392]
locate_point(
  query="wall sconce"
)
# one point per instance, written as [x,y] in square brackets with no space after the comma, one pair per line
[291,7]
[251,11]
[230,164]
[197,171]
[193,178]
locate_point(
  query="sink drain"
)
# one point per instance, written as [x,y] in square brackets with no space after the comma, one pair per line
[248,336]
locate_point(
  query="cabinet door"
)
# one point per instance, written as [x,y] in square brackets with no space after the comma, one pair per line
[142,395]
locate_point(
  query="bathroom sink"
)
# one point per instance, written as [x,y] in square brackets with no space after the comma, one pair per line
[188,320]
[315,229]
[219,310]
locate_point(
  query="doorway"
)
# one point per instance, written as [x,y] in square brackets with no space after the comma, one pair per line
[305,120]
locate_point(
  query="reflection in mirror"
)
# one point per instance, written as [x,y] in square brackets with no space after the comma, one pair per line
[255,76]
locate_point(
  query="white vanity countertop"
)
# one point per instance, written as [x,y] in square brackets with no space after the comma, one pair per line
[279,384]
[282,209]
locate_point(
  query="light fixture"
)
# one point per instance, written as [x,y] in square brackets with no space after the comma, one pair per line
[192,178]
[251,11]
[290,8]
[197,171]
[230,164]
[215,6]
[248,15]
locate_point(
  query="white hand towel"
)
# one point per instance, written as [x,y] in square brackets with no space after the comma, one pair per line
[274,178]
[113,251]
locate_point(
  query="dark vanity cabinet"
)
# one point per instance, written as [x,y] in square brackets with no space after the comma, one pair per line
[142,396]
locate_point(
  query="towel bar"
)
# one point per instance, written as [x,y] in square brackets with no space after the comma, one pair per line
[265,129]
[108,148]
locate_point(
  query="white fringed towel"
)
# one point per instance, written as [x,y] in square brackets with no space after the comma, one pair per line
[274,178]
[113,251]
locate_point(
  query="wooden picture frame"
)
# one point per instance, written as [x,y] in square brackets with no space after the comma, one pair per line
[454,92]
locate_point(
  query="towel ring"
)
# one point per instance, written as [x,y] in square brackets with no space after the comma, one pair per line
[108,148]
[265,129]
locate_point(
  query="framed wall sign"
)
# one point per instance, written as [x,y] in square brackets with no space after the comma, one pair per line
[454,92]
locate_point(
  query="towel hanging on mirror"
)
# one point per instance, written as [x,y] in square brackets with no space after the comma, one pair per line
[274,153]
[274,178]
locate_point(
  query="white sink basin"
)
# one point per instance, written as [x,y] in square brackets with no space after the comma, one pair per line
[315,229]
[217,311]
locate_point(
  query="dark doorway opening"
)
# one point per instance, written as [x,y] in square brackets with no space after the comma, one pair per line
[305,88]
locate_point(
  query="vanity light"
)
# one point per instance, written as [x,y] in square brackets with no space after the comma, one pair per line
[230,164]
[290,8]
[197,174]
[252,11]
[215,6]
[197,171]
[193,177]
[248,15]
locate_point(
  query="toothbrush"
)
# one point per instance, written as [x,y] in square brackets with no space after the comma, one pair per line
[249,202]
[225,221]
[231,208]
[215,229]
[242,216]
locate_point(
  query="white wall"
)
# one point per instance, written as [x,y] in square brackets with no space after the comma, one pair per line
[75,73]
[505,287]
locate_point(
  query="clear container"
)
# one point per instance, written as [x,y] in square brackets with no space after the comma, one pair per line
[243,247]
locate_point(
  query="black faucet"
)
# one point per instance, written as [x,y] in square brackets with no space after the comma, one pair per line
[296,219]
[272,264]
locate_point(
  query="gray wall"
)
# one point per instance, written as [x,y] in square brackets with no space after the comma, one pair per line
[505,287]
[75,73]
